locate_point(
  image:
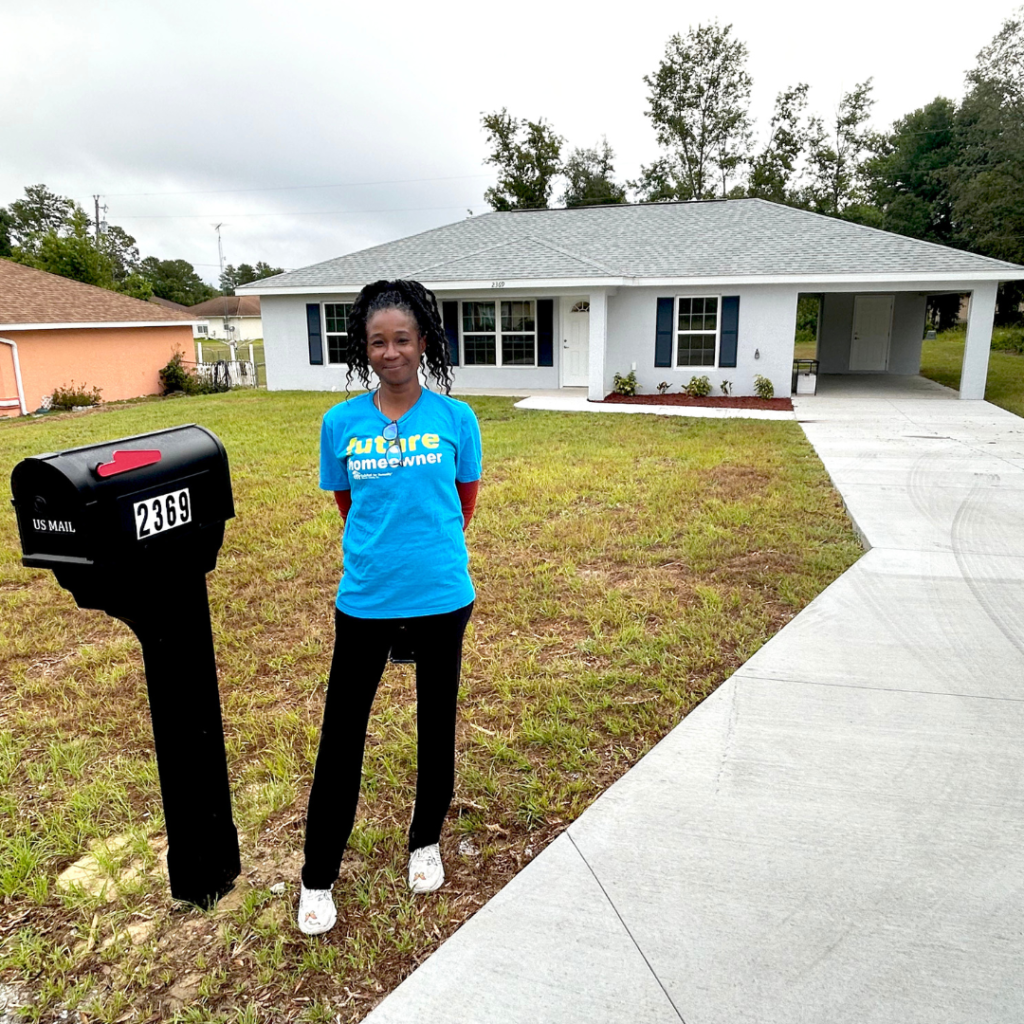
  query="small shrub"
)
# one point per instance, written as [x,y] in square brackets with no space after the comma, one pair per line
[625,385]
[699,387]
[663,387]
[70,396]
[176,376]
[763,386]
[726,386]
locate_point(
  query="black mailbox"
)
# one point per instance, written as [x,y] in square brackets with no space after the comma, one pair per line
[132,527]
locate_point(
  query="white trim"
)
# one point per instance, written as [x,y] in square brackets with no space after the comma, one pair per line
[17,374]
[498,333]
[912,279]
[676,332]
[334,334]
[102,324]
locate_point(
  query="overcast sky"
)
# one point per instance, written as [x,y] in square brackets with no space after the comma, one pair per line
[314,129]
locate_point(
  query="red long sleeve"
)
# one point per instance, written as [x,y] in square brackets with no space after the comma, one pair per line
[344,500]
[467,496]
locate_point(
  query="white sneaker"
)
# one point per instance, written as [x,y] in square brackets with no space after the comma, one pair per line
[426,873]
[317,913]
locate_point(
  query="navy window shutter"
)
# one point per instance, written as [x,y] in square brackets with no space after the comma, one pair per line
[316,338]
[545,332]
[450,319]
[730,330]
[663,334]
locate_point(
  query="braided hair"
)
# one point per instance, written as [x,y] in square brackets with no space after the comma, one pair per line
[413,299]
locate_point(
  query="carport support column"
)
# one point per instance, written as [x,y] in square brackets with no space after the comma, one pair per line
[980,315]
[598,345]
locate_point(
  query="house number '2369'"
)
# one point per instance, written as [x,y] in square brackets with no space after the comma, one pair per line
[497,284]
[157,515]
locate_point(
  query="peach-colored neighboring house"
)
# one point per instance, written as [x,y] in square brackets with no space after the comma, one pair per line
[54,331]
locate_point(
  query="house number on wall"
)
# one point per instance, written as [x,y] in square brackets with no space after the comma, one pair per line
[497,284]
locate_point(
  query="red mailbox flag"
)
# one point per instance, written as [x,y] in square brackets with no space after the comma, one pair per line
[123,461]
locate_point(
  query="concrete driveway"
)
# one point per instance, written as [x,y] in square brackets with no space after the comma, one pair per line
[836,834]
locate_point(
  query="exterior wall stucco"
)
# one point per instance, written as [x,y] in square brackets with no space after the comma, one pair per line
[123,362]
[836,332]
[286,351]
[767,327]
[246,328]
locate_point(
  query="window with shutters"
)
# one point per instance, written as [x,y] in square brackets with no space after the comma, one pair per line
[336,322]
[697,331]
[499,333]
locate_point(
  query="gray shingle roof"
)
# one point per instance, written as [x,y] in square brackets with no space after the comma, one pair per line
[730,238]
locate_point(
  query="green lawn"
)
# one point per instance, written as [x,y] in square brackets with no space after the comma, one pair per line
[941,360]
[625,566]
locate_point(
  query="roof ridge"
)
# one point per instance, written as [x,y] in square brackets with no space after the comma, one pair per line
[573,255]
[778,207]
[469,255]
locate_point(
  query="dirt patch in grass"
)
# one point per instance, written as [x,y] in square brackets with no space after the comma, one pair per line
[710,402]
[622,572]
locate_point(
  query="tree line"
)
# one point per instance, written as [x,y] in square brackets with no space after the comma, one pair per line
[950,172]
[53,233]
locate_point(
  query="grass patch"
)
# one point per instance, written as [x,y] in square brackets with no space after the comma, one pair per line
[942,359]
[624,566]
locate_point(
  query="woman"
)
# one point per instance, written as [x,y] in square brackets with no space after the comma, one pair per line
[404,465]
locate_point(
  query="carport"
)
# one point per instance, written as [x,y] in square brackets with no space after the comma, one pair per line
[879,330]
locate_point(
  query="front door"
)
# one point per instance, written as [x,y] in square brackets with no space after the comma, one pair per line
[872,327]
[576,344]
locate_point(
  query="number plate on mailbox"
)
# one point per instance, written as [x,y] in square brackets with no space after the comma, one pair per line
[163,513]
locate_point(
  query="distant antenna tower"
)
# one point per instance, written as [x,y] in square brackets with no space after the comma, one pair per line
[220,247]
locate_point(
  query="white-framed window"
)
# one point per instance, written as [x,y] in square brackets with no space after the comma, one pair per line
[698,326]
[336,329]
[499,332]
[203,329]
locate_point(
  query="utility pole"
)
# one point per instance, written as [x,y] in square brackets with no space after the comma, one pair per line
[220,248]
[227,328]
[100,226]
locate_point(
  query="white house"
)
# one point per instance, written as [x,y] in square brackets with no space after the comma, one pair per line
[230,318]
[570,297]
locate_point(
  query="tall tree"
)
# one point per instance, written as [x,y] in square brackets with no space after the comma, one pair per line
[527,155]
[39,213]
[122,251]
[6,223]
[588,175]
[176,280]
[1001,63]
[773,171]
[72,253]
[835,154]
[245,274]
[698,103]
[908,176]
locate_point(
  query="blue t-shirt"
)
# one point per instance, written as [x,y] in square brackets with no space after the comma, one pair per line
[405,553]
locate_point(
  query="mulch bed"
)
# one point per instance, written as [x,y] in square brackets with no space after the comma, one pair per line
[739,402]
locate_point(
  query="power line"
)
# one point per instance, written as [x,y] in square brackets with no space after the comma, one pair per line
[297,213]
[287,188]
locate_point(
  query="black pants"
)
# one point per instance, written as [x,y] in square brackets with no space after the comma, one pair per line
[360,653]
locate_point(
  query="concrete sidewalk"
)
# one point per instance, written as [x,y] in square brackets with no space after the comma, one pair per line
[836,834]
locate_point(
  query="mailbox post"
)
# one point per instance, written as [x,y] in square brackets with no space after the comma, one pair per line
[132,527]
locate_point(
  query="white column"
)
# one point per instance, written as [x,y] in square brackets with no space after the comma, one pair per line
[598,345]
[199,351]
[980,315]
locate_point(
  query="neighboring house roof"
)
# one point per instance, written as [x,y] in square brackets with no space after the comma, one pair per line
[228,305]
[737,238]
[166,303]
[30,297]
